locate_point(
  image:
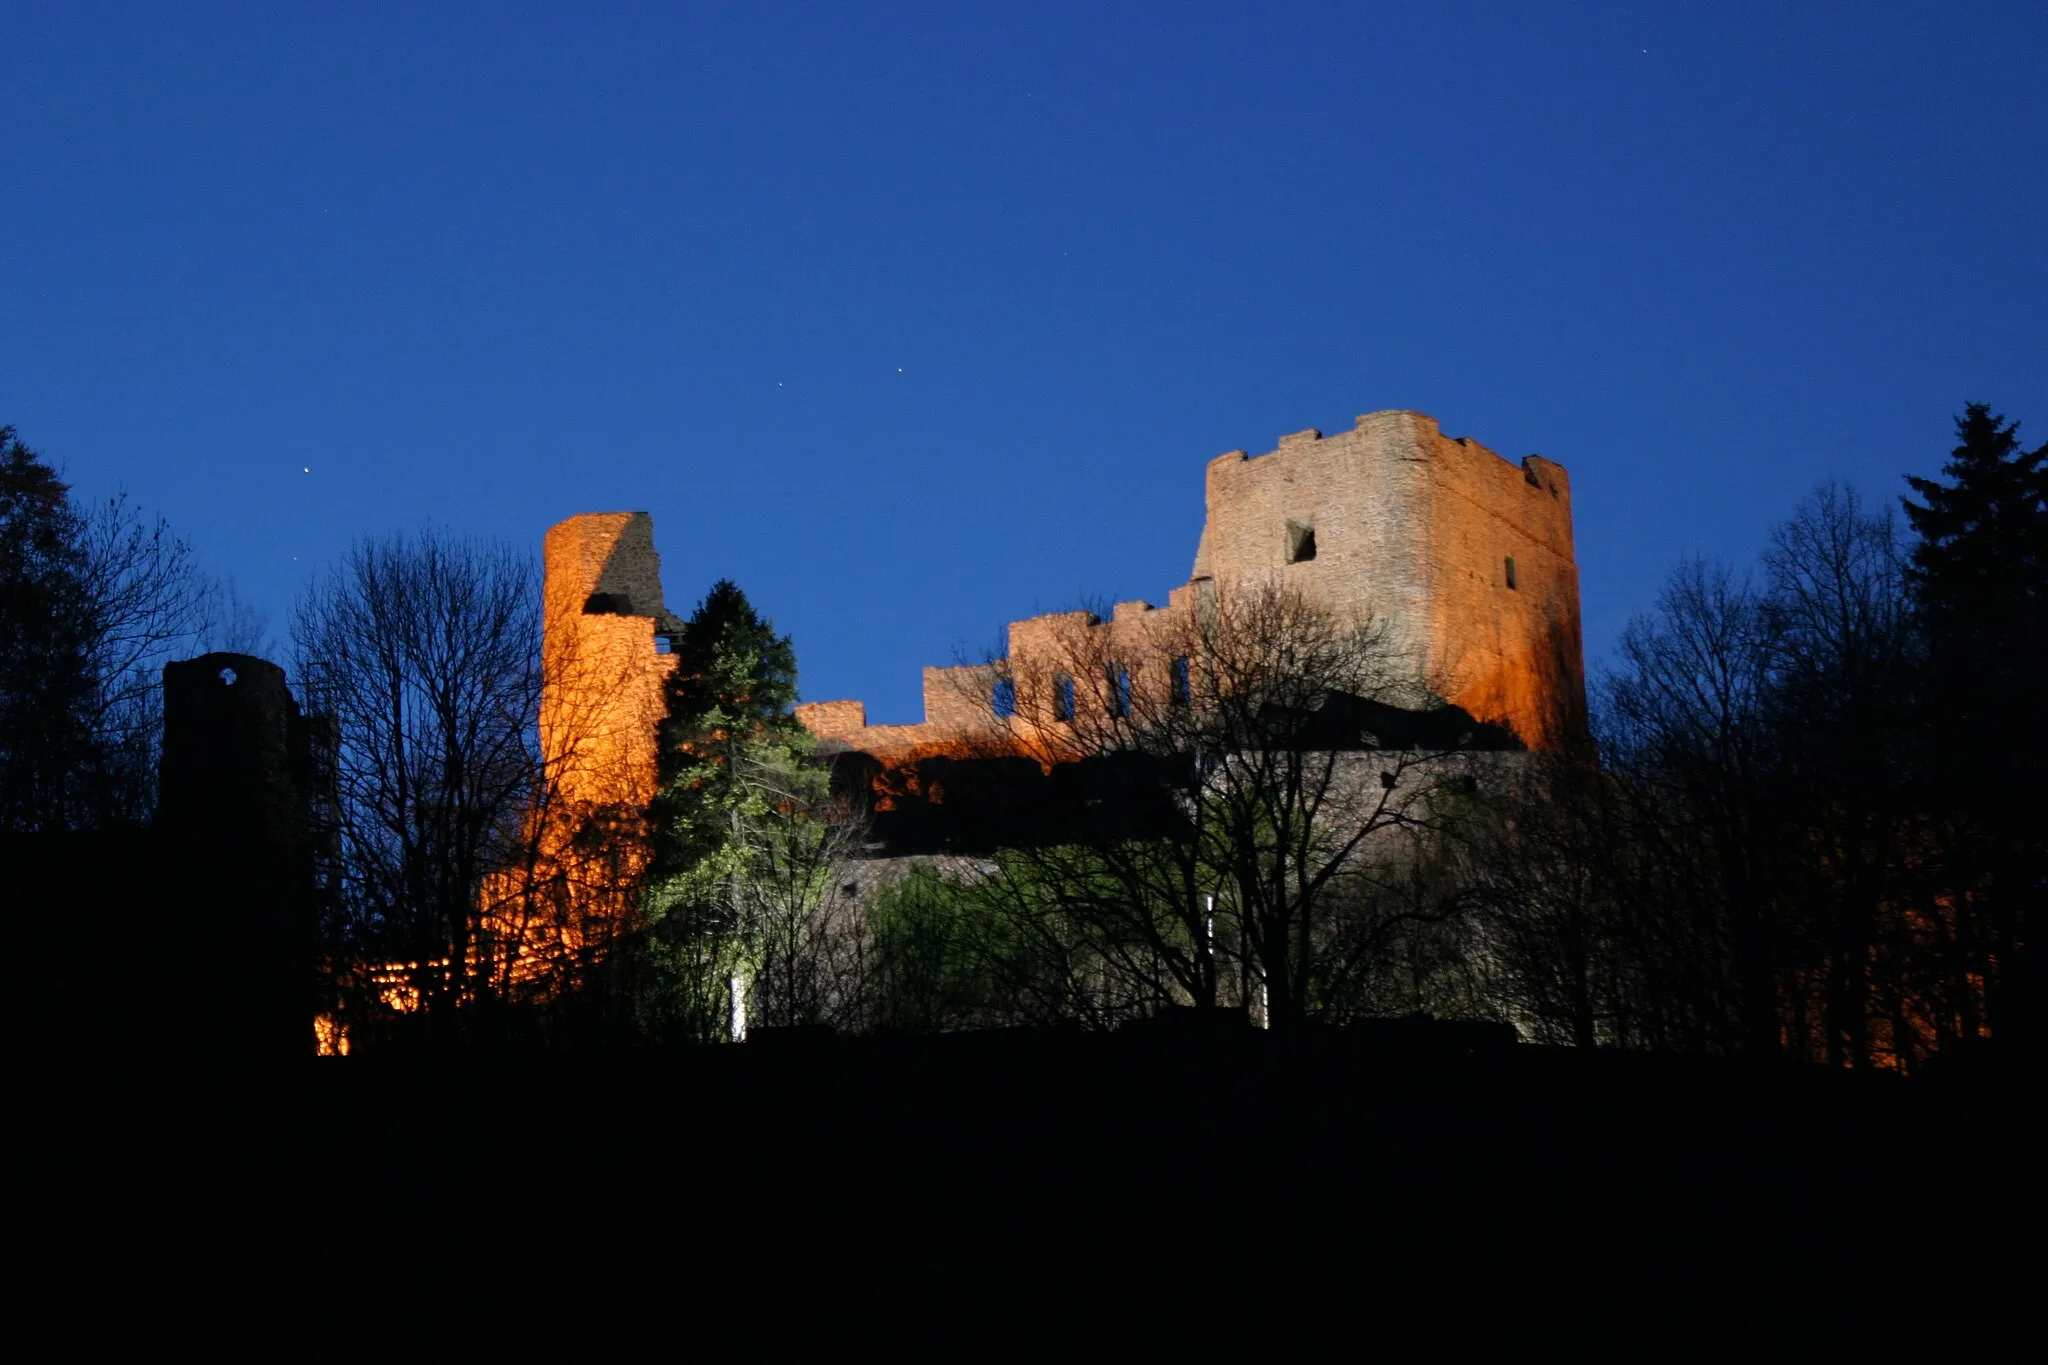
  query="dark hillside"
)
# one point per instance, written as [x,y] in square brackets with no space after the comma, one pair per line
[964,1194]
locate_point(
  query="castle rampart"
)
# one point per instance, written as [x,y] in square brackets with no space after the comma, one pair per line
[1463,557]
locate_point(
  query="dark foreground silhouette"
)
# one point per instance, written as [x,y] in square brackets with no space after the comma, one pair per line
[183,1173]
[1388,1192]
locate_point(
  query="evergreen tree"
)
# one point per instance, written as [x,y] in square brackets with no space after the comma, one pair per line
[1980,579]
[46,670]
[728,713]
[741,843]
[93,601]
[1981,565]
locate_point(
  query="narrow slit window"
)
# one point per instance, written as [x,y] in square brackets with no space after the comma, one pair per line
[1512,581]
[1003,698]
[1183,690]
[1062,697]
[1119,691]
[1301,541]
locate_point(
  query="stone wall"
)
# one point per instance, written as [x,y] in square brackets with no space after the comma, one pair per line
[604,649]
[235,833]
[606,627]
[1409,527]
[1391,521]
[234,761]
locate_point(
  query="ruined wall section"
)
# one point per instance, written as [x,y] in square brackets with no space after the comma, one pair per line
[1417,530]
[958,720]
[605,632]
[1391,522]
[604,629]
[1364,496]
[239,789]
[1502,649]
[835,719]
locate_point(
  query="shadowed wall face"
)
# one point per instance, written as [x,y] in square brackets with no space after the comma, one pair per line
[233,766]
[234,819]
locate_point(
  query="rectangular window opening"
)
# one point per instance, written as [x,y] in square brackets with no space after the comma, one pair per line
[1301,541]
[1119,691]
[1512,582]
[1183,682]
[1062,697]
[664,645]
[1003,698]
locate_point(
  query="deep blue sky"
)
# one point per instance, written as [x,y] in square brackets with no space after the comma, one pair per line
[914,320]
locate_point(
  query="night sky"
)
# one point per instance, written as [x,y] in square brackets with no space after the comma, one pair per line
[916,320]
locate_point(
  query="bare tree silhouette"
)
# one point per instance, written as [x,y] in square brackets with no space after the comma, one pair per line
[423,655]
[1246,793]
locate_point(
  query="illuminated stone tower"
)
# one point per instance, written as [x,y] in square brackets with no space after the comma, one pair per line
[606,647]
[1467,556]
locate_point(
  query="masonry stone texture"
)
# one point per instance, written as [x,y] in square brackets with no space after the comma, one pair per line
[605,668]
[604,621]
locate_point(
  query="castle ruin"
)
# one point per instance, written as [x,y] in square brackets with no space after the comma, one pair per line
[1463,558]
[605,647]
[606,661]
